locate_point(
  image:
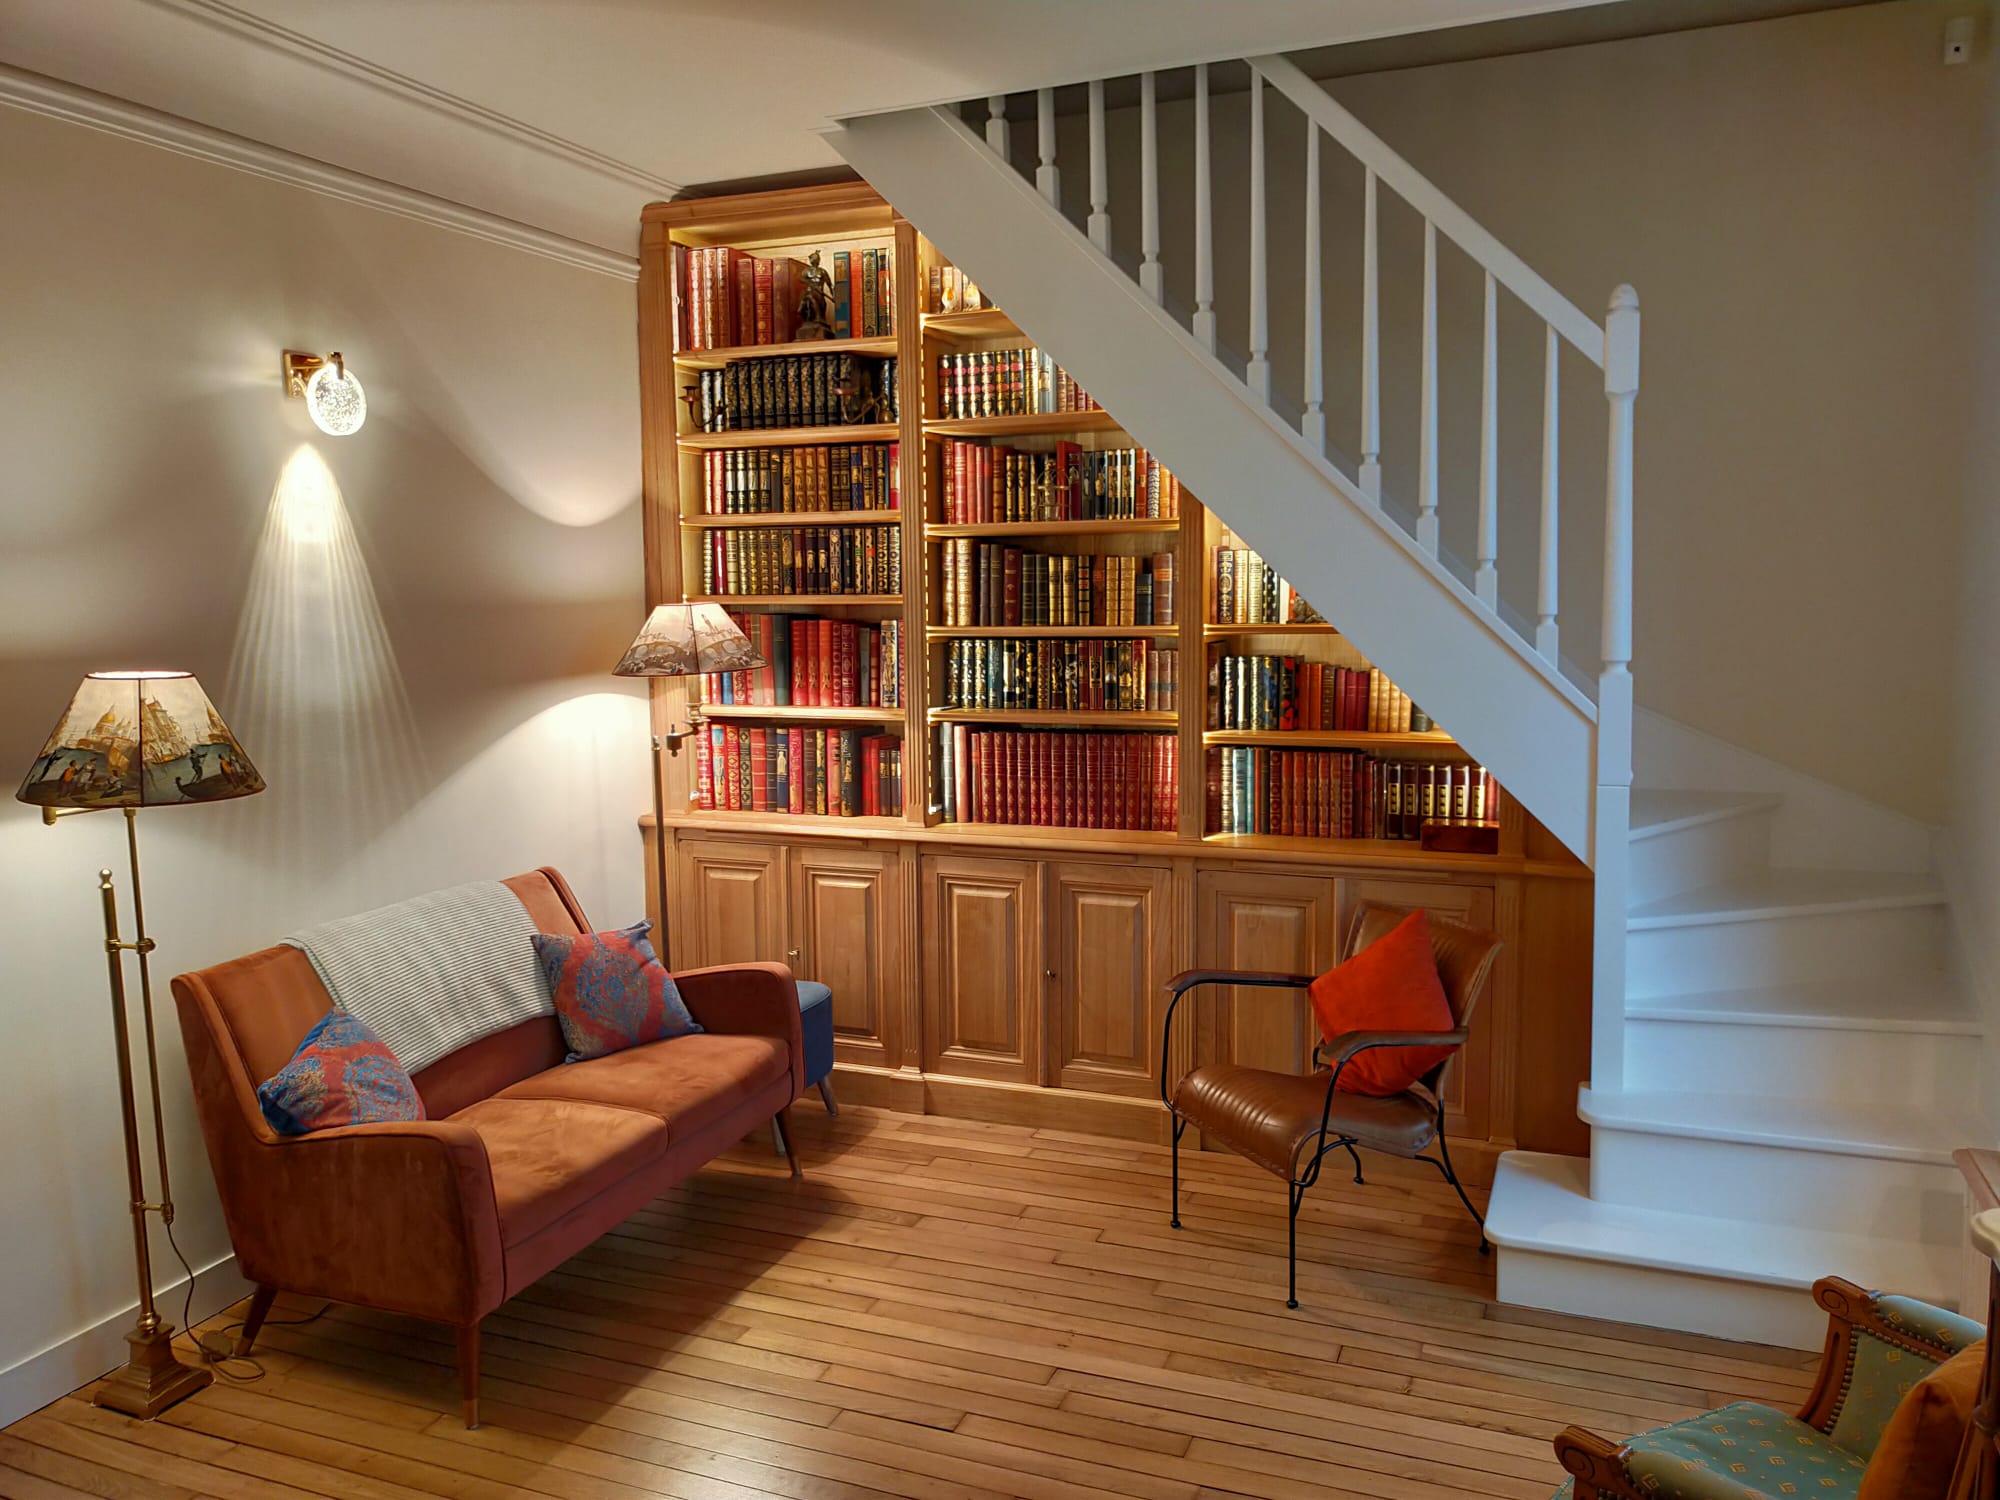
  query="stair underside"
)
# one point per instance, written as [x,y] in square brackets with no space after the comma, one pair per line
[1656,812]
[1725,1277]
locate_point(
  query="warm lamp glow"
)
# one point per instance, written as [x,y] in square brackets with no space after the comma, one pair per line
[335,400]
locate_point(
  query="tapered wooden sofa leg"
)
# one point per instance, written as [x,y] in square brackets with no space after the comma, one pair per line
[253,1321]
[468,1372]
[781,1129]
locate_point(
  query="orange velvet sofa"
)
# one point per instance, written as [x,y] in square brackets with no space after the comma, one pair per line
[522,1161]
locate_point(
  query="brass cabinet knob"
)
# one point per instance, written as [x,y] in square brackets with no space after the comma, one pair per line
[1048,973]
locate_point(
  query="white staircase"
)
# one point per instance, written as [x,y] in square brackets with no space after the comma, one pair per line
[1758,1035]
[1798,1069]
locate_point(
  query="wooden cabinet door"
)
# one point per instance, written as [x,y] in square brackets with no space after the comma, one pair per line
[1253,920]
[1466,1080]
[1108,953]
[730,903]
[982,984]
[847,932]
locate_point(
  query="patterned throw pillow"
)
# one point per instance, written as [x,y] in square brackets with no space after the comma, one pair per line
[610,991]
[342,1074]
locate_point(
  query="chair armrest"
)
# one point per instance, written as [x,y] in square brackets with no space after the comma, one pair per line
[1256,978]
[1350,1043]
[1864,1329]
[1595,1465]
[748,1000]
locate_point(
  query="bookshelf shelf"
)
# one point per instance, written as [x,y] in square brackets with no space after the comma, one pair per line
[1341,851]
[971,327]
[1054,718]
[783,437]
[1329,739]
[1125,527]
[1214,632]
[783,822]
[799,601]
[715,359]
[795,518]
[1030,424]
[1054,632]
[801,713]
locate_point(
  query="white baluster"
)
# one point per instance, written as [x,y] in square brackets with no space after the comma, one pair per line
[1100,193]
[1485,575]
[1371,353]
[1312,426]
[1258,372]
[1047,182]
[1427,437]
[1547,636]
[996,125]
[1621,389]
[1204,224]
[1149,190]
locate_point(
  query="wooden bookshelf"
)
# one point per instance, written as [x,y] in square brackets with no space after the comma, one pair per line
[980,955]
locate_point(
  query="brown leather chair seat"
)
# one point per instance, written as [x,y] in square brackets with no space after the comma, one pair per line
[1270,1117]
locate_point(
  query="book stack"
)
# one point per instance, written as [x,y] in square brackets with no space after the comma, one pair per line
[1341,794]
[824,476]
[1073,676]
[990,583]
[1283,692]
[1057,778]
[1248,591]
[983,485]
[814,663]
[729,299]
[802,560]
[796,390]
[1006,383]
[951,290]
[846,773]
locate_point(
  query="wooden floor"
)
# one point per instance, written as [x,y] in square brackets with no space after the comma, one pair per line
[941,1309]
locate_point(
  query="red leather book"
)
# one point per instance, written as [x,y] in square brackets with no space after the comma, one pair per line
[982,750]
[704,768]
[743,280]
[784,300]
[1010,586]
[761,271]
[856,299]
[871,776]
[795,788]
[760,771]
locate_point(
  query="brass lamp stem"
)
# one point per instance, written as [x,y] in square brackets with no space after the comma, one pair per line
[114,949]
[144,947]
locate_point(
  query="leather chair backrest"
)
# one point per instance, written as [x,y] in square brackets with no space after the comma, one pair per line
[266,1002]
[1464,954]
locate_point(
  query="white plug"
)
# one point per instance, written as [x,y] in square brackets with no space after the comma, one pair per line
[1958,35]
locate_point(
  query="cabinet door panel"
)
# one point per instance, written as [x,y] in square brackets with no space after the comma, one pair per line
[1251,920]
[847,928]
[1109,951]
[983,987]
[1466,1080]
[732,903]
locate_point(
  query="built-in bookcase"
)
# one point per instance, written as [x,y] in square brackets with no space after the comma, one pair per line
[1014,690]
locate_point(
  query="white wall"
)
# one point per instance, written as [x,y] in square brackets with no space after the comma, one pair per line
[410,629]
[1794,201]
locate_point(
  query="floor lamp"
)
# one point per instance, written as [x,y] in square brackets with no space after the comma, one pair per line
[681,640]
[131,740]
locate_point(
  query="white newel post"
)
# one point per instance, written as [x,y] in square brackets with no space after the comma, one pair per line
[1611,828]
[1046,179]
[1100,193]
[1149,189]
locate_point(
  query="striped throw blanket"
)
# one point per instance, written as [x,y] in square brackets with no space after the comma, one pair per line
[431,974]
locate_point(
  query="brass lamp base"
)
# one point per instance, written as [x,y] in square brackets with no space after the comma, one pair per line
[152,1379]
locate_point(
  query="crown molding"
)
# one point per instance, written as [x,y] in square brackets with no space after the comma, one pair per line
[248,26]
[75,105]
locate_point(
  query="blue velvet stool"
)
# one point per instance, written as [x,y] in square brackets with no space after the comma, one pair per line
[816,1022]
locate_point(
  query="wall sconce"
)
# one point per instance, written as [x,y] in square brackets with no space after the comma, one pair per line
[333,396]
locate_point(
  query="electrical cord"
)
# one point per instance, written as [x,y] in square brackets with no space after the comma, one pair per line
[218,1357]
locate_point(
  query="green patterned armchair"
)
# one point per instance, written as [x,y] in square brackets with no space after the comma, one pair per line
[1877,1347]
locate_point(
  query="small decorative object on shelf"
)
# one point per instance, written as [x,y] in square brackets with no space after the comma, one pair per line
[815,310]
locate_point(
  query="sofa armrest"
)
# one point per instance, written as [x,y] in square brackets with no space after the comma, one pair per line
[1868,1338]
[748,1000]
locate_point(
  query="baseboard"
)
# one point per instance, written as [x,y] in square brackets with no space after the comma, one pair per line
[74,1362]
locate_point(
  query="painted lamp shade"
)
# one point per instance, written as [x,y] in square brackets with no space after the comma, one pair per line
[681,640]
[139,739]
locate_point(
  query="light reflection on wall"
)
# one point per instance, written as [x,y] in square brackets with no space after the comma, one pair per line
[314,685]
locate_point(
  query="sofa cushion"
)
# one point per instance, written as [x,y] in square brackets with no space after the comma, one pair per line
[1740,1452]
[342,1074]
[610,990]
[1919,1447]
[685,1081]
[549,1156]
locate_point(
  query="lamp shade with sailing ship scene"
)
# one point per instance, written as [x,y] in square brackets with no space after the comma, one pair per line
[139,739]
[684,640]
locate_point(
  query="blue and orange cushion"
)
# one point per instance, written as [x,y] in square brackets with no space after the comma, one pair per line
[341,1074]
[610,991]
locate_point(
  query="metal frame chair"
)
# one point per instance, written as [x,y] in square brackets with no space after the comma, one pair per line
[1466,952]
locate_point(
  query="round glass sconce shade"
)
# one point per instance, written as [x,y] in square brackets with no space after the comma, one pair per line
[335,401]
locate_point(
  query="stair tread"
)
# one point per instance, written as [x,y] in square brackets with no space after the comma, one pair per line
[1543,1203]
[1930,1002]
[1779,893]
[1851,1127]
[1657,810]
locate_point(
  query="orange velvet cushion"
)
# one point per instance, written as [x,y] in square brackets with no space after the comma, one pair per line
[1391,985]
[1914,1459]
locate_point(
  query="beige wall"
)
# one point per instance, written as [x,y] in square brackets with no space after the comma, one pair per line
[1794,201]
[410,628]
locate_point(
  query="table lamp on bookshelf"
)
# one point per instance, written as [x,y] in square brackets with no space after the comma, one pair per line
[681,640]
[131,740]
